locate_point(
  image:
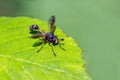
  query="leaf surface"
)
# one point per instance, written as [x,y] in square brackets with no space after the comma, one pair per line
[19,60]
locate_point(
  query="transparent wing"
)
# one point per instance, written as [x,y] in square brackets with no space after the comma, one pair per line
[36,35]
[51,23]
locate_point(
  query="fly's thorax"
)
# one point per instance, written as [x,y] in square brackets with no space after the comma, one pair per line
[50,37]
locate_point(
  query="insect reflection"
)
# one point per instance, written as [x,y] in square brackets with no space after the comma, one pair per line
[47,37]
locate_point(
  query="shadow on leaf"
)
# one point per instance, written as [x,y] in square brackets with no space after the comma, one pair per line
[33,32]
[37,44]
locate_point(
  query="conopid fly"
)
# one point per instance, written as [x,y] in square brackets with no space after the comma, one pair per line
[47,37]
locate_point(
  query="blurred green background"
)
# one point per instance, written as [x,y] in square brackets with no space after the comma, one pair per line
[94,24]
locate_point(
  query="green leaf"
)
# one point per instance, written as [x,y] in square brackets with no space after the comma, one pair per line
[19,60]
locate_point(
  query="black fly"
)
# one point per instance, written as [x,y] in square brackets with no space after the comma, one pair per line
[47,37]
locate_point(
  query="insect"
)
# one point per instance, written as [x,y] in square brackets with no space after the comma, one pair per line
[34,27]
[47,37]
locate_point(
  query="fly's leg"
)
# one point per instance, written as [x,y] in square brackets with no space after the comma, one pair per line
[41,47]
[61,44]
[52,49]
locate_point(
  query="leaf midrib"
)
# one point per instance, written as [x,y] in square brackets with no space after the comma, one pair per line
[37,64]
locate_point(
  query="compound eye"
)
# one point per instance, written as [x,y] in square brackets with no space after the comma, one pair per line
[34,27]
[55,40]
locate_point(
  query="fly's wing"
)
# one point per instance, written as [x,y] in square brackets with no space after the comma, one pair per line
[51,24]
[36,35]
